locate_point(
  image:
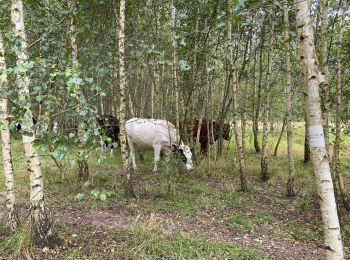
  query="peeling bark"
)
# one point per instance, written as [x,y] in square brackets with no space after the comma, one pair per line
[319,155]
[339,109]
[324,70]
[12,214]
[264,175]
[175,66]
[41,226]
[291,175]
[122,86]
[82,163]
[233,80]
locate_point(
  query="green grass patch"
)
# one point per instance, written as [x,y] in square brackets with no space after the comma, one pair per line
[304,231]
[239,221]
[175,202]
[15,242]
[145,244]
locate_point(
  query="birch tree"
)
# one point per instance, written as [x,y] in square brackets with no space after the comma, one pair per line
[257,104]
[122,87]
[324,69]
[12,215]
[175,65]
[290,182]
[41,227]
[339,110]
[232,77]
[319,156]
[264,146]
[82,163]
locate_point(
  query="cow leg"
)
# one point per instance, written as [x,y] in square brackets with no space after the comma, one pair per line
[157,150]
[132,156]
[204,146]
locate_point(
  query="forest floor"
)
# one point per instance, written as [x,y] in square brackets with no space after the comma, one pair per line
[175,215]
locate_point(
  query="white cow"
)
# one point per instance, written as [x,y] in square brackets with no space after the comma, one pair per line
[157,134]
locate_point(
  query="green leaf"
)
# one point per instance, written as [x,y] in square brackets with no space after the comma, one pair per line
[95,193]
[79,196]
[103,197]
[89,80]
[73,162]
[58,154]
[182,42]
[292,34]
[87,183]
[77,81]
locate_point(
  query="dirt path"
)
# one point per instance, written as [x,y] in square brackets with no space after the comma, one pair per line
[268,244]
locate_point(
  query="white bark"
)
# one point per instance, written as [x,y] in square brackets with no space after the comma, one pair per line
[324,68]
[12,216]
[40,224]
[175,67]
[319,155]
[83,166]
[290,183]
[233,80]
[339,110]
[264,145]
[122,86]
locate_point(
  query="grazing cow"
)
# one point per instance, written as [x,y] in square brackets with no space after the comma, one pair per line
[109,131]
[159,135]
[214,129]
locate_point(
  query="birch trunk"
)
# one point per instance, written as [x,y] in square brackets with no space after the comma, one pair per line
[264,146]
[12,215]
[213,138]
[232,75]
[319,156]
[122,86]
[243,115]
[280,136]
[291,175]
[175,64]
[306,142]
[152,98]
[324,70]
[339,110]
[257,107]
[82,163]
[41,227]
[205,107]
[131,107]
[158,67]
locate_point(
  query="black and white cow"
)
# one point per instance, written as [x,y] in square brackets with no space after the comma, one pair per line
[109,131]
[159,135]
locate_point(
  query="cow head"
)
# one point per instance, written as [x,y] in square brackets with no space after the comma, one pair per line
[185,154]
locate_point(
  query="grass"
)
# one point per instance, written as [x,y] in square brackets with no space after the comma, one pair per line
[241,222]
[305,232]
[16,243]
[189,208]
[151,244]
